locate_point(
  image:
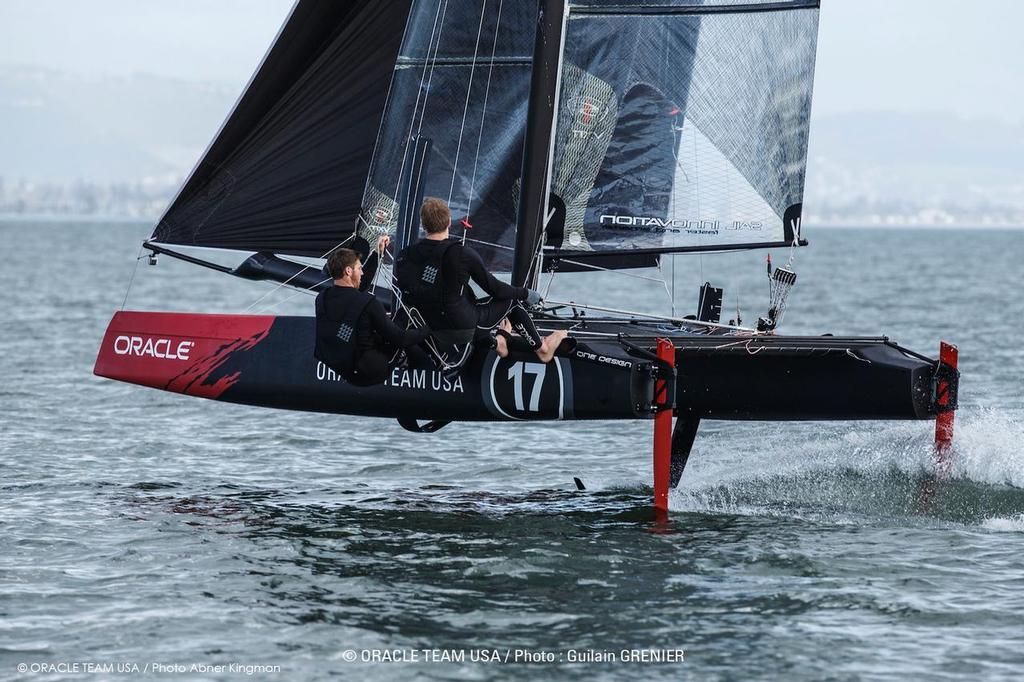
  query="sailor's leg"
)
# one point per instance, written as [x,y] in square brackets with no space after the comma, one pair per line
[371,368]
[418,358]
[491,313]
[525,327]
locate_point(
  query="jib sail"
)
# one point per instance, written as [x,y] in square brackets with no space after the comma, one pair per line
[683,127]
[287,171]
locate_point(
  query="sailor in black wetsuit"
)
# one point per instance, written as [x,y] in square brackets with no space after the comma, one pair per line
[354,335]
[434,276]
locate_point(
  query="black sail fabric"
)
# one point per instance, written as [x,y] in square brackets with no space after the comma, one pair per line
[683,125]
[287,171]
[462,80]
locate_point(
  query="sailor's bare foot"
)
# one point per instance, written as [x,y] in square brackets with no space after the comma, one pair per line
[501,346]
[500,342]
[550,344]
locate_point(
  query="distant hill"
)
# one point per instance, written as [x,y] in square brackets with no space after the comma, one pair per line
[933,159]
[62,127]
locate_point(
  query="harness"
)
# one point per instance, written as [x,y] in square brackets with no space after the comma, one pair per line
[420,279]
[336,328]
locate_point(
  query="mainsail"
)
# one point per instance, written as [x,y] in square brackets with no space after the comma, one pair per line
[683,127]
[462,80]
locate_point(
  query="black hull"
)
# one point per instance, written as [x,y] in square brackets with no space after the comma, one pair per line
[267,361]
[780,378]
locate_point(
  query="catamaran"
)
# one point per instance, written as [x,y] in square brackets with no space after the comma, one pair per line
[567,136]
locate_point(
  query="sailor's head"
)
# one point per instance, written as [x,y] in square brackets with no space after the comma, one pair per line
[435,216]
[345,268]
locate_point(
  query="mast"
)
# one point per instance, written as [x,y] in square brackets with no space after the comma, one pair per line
[538,144]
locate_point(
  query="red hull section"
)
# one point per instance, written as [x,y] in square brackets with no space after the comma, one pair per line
[178,351]
[268,361]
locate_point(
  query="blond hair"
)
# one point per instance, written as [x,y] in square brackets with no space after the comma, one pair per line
[435,215]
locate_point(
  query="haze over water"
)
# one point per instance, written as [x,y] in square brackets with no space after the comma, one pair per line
[140,526]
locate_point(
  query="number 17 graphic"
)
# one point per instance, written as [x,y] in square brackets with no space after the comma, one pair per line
[516,372]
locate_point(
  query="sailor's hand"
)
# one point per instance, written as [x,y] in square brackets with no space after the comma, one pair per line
[383,243]
[533,298]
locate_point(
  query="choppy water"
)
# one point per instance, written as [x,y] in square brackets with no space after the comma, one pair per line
[140,527]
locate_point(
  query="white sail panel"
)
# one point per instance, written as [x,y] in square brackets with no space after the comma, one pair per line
[711,202]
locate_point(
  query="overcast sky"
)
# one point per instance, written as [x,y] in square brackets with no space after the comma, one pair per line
[903,55]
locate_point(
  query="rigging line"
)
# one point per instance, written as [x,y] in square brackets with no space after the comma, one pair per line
[430,76]
[547,289]
[387,101]
[653,316]
[486,243]
[307,290]
[304,268]
[465,107]
[660,267]
[612,271]
[673,257]
[669,291]
[417,321]
[131,280]
[696,182]
[483,113]
[419,92]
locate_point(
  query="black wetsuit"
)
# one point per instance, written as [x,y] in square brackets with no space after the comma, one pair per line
[457,306]
[354,335]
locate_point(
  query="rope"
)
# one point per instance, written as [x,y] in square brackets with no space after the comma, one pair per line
[421,90]
[307,290]
[304,268]
[416,319]
[652,316]
[430,76]
[486,243]
[132,279]
[465,107]
[547,289]
[672,294]
[613,271]
[483,113]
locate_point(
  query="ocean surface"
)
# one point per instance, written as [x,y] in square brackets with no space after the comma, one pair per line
[141,528]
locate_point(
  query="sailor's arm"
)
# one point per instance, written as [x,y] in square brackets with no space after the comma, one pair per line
[371,260]
[474,265]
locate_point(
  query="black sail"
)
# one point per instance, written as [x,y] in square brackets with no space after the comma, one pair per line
[462,80]
[287,171]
